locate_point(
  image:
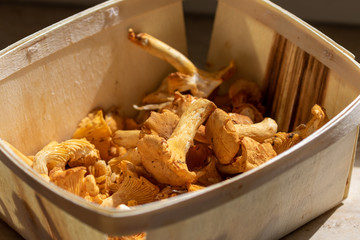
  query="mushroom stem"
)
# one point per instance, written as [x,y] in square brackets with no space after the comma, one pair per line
[163,51]
[225,135]
[188,78]
[253,155]
[188,125]
[257,131]
[126,138]
[166,159]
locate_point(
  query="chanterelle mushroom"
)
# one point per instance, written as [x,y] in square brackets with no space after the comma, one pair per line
[132,188]
[253,155]
[70,179]
[75,152]
[242,91]
[282,141]
[166,159]
[161,124]
[188,77]
[225,136]
[95,129]
[246,99]
[126,138]
[318,119]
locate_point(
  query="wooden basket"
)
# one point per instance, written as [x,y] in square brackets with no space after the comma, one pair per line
[53,78]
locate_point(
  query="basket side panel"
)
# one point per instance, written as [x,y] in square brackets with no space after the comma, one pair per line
[277,207]
[338,94]
[236,36]
[45,100]
[35,217]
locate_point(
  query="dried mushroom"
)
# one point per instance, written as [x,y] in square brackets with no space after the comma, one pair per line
[101,172]
[200,135]
[317,121]
[95,129]
[161,124]
[201,160]
[209,174]
[139,236]
[90,187]
[240,118]
[126,138]
[132,188]
[166,159]
[197,156]
[243,91]
[248,91]
[249,110]
[188,77]
[71,179]
[181,102]
[225,136]
[253,155]
[194,187]
[283,141]
[74,152]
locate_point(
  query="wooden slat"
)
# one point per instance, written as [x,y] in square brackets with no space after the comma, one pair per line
[294,83]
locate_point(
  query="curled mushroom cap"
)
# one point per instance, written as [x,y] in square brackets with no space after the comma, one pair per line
[181,102]
[71,179]
[161,124]
[131,188]
[95,129]
[209,174]
[90,187]
[225,136]
[166,159]
[194,187]
[75,152]
[318,119]
[246,99]
[188,77]
[101,172]
[250,111]
[242,91]
[253,155]
[282,141]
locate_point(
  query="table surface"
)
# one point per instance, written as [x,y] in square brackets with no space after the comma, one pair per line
[341,222]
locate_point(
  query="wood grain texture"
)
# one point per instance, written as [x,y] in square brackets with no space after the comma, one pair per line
[295,82]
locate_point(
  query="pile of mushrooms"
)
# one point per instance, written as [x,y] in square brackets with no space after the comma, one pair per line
[187,138]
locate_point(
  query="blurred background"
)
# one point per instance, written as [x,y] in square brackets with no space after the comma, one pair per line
[340,20]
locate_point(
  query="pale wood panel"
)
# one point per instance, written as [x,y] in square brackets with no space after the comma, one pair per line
[54,93]
[237,36]
[277,207]
[35,217]
[338,94]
